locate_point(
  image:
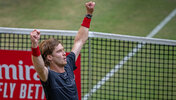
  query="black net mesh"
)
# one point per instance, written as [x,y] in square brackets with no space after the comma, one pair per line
[115,69]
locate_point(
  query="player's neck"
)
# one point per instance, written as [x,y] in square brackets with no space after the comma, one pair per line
[59,69]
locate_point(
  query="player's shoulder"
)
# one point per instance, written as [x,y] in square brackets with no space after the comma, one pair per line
[71,56]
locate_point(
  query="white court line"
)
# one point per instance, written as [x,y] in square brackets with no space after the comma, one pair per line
[162,24]
[126,58]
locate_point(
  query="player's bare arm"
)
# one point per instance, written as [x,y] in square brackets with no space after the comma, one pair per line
[82,34]
[38,60]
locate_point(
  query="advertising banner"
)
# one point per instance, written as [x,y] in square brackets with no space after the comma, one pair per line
[19,80]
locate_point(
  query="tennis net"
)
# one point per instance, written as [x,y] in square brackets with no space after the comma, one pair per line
[113,67]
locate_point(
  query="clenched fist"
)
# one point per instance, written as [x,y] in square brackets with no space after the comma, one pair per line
[90,7]
[35,36]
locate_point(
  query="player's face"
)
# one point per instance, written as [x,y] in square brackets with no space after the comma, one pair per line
[59,56]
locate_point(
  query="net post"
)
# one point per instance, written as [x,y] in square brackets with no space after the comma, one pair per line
[90,67]
[0,40]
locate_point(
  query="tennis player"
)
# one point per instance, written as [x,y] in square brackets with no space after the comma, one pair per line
[53,67]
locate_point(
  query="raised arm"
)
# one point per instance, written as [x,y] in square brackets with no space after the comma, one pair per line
[37,59]
[83,31]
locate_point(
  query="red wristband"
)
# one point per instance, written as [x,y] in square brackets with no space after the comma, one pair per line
[36,51]
[86,22]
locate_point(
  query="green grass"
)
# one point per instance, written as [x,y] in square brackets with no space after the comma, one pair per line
[167,32]
[130,17]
